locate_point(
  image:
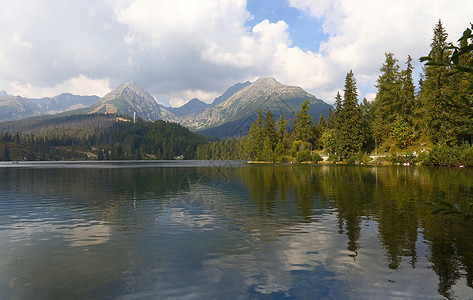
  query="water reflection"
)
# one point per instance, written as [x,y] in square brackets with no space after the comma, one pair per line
[253,231]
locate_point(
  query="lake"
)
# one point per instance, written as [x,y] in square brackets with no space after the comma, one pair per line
[229,230]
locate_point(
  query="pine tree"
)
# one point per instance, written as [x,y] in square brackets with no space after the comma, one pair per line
[338,103]
[282,133]
[321,122]
[303,125]
[436,87]
[269,129]
[407,96]
[267,153]
[351,128]
[387,102]
[254,140]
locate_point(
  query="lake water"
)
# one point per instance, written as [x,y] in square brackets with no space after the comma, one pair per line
[228,230]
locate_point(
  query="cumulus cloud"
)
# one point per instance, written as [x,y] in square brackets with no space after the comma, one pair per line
[360,32]
[181,49]
[80,85]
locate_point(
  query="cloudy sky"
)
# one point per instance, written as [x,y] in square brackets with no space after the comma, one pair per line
[181,49]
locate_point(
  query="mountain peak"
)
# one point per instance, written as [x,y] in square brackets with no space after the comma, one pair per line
[130,85]
[195,100]
[230,92]
[4,94]
[129,98]
[267,80]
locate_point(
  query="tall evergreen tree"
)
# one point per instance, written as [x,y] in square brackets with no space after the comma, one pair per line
[338,103]
[350,128]
[436,87]
[303,125]
[269,129]
[387,102]
[254,140]
[284,138]
[407,96]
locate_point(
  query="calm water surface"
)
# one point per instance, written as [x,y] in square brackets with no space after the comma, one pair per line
[227,230]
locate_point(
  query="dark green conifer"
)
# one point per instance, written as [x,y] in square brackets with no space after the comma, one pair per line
[351,128]
[303,125]
[269,129]
[435,89]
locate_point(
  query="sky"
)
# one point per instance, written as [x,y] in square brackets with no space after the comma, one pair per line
[181,49]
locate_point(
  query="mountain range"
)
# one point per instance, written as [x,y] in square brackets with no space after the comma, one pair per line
[231,114]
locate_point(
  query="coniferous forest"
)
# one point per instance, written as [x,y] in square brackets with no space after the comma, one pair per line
[431,122]
[96,137]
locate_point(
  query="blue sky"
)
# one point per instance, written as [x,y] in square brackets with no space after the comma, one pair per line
[305,30]
[182,49]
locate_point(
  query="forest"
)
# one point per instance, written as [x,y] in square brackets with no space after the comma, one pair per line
[96,137]
[431,123]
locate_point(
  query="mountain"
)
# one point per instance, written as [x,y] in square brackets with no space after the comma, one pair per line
[240,109]
[190,109]
[230,92]
[4,94]
[231,114]
[129,98]
[16,107]
[64,102]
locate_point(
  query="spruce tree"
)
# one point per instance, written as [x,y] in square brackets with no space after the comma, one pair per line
[254,140]
[436,87]
[350,128]
[269,129]
[303,125]
[282,133]
[407,96]
[387,102]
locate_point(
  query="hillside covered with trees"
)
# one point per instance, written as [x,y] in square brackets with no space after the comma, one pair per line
[101,137]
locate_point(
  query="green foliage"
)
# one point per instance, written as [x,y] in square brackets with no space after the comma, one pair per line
[450,156]
[303,125]
[351,128]
[402,132]
[228,149]
[442,123]
[405,159]
[328,140]
[254,141]
[81,137]
[269,130]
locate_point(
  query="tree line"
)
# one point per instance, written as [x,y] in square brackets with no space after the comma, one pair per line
[438,114]
[99,137]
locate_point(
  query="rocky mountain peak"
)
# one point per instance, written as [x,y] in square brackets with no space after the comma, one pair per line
[269,81]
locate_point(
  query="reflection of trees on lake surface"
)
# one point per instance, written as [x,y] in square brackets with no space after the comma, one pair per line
[393,197]
[271,202]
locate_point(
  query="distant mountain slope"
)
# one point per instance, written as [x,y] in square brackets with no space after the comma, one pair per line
[190,109]
[265,93]
[230,92]
[4,94]
[16,107]
[129,98]
[230,114]
[64,102]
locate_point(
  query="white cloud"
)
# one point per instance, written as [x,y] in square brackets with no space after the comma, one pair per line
[176,48]
[80,85]
[360,32]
